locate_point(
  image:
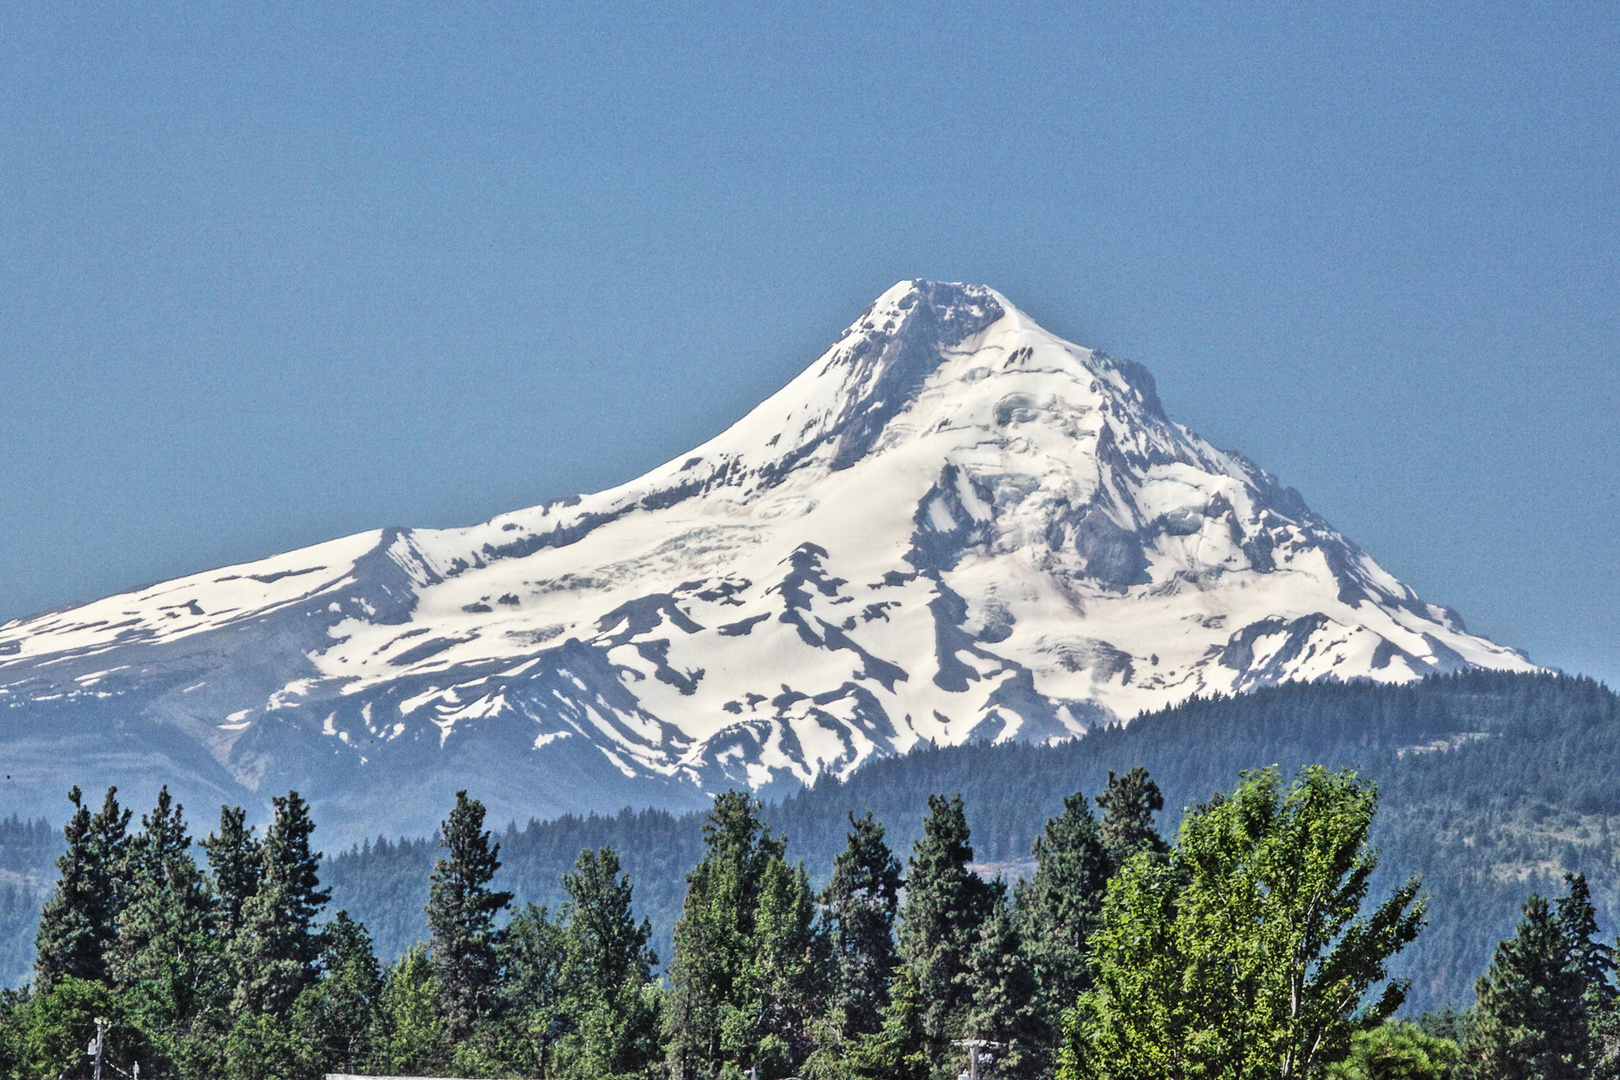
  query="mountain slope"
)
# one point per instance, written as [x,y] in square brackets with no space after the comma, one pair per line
[953,526]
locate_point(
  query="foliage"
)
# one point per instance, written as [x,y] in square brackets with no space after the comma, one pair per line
[461,911]
[859,906]
[732,1006]
[1545,988]
[1245,953]
[274,954]
[1396,1050]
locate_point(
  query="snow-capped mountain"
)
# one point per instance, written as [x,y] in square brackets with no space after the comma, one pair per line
[953,526]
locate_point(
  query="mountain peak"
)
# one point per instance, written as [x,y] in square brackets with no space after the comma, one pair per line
[952,525]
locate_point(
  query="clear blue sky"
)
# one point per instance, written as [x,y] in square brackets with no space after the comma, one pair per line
[271,274]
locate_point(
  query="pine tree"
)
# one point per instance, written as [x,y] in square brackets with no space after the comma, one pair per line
[275,953]
[461,913]
[859,906]
[79,922]
[946,905]
[166,958]
[1128,806]
[236,864]
[1005,1008]
[607,1005]
[718,1014]
[533,955]
[339,1016]
[1058,909]
[1531,1020]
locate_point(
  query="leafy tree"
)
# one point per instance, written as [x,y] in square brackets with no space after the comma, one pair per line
[1535,1004]
[1128,806]
[859,906]
[1059,908]
[236,864]
[532,955]
[275,954]
[461,913]
[80,920]
[415,1042]
[723,1013]
[946,905]
[53,1028]
[1244,954]
[1396,1050]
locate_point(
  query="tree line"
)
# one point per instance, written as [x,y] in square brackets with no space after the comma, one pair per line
[1254,944]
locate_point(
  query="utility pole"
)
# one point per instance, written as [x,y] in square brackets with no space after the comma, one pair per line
[96,1045]
[973,1046]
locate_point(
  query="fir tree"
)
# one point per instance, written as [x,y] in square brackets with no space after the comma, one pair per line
[859,905]
[607,972]
[236,864]
[1128,806]
[1005,1008]
[277,949]
[79,921]
[461,913]
[1532,1013]
[946,904]
[340,1014]
[533,955]
[167,958]
[714,1017]
[1058,909]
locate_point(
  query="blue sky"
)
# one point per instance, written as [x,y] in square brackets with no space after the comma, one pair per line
[271,274]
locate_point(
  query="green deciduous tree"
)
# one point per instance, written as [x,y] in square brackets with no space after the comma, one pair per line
[412,1031]
[461,912]
[1245,953]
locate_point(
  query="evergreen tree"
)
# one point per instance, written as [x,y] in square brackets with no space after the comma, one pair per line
[339,1016]
[946,905]
[167,958]
[1531,1020]
[1058,909]
[461,913]
[1128,806]
[236,864]
[719,1012]
[859,906]
[275,953]
[787,975]
[1005,1007]
[79,921]
[610,1011]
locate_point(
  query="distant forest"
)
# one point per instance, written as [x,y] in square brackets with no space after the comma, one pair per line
[1491,786]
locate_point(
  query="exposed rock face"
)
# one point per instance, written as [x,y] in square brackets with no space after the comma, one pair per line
[952,526]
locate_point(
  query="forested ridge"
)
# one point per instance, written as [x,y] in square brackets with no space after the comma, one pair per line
[1491,785]
[1488,787]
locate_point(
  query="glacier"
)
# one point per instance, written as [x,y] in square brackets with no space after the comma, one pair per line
[952,526]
